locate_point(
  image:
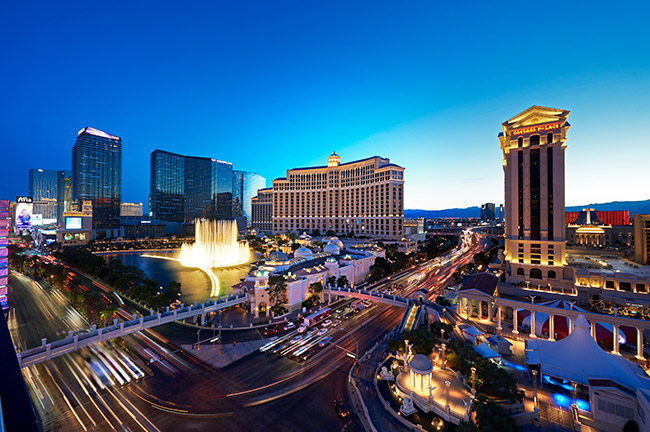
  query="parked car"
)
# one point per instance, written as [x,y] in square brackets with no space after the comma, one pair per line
[341,409]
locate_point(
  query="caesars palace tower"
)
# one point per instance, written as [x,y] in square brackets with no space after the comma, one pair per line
[533,144]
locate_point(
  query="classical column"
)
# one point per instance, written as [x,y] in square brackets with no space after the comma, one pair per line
[571,325]
[639,344]
[532,324]
[468,309]
[551,327]
[593,330]
[499,328]
[615,339]
[490,311]
[479,303]
[514,321]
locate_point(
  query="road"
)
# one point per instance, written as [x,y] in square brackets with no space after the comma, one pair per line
[261,391]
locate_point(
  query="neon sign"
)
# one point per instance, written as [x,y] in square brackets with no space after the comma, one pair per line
[536,128]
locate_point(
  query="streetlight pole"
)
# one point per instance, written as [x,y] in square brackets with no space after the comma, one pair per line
[534,371]
[220,310]
[198,339]
[356,355]
[473,380]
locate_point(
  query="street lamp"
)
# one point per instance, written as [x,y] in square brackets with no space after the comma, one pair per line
[198,339]
[535,387]
[473,379]
[442,334]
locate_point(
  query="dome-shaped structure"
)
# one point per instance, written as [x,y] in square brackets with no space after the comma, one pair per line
[331,262]
[336,241]
[332,248]
[303,252]
[420,365]
[277,257]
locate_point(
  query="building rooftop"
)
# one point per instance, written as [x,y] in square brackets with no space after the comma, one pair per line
[96,132]
[484,282]
[608,264]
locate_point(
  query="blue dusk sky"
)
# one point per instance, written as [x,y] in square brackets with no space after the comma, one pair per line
[271,85]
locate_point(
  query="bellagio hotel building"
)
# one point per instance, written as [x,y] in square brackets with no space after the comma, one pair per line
[364,197]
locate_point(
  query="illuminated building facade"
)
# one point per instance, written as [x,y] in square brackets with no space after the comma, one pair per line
[97,175]
[642,238]
[609,217]
[4,253]
[130,209]
[184,188]
[262,211]
[47,189]
[364,197]
[533,144]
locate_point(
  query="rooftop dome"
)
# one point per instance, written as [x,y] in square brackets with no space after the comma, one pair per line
[277,257]
[303,252]
[332,248]
[420,364]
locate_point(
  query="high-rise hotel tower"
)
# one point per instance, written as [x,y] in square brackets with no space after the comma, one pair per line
[533,144]
[364,197]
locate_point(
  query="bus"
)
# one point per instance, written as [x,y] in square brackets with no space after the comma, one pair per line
[316,317]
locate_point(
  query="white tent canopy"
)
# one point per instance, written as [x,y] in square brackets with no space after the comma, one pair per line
[484,350]
[578,358]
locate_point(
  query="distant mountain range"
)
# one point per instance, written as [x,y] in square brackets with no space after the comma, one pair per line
[634,207]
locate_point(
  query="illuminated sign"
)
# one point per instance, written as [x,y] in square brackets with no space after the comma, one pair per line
[24,208]
[536,128]
[72,223]
[67,236]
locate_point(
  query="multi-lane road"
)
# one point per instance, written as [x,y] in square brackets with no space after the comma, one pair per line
[261,391]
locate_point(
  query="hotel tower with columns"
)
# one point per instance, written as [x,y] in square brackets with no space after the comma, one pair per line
[533,144]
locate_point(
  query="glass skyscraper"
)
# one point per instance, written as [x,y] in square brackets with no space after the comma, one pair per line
[184,188]
[46,186]
[97,175]
[244,187]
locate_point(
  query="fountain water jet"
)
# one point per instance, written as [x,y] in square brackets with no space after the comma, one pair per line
[215,245]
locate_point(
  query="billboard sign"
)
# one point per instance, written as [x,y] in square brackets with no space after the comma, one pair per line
[72,222]
[24,209]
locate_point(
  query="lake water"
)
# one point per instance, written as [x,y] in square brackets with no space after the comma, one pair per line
[195,284]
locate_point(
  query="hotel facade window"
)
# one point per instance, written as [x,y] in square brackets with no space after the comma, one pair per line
[364,197]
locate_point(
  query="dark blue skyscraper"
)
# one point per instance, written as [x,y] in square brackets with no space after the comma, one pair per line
[244,187]
[184,188]
[97,175]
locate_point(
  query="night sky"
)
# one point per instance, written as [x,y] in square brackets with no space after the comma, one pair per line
[271,85]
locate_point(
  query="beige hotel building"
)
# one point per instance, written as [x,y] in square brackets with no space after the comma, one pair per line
[364,197]
[533,144]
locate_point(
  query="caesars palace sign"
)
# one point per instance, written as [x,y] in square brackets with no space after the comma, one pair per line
[536,128]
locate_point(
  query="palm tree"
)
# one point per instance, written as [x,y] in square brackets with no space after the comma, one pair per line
[107,313]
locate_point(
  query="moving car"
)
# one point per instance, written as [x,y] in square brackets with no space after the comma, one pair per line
[302,329]
[321,332]
[325,341]
[290,326]
[327,323]
[341,409]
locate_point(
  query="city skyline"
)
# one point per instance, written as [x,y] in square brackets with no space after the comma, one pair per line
[300,86]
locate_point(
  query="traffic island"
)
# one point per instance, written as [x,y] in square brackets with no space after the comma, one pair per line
[229,352]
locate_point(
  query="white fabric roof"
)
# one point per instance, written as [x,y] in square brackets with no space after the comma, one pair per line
[473,331]
[579,358]
[486,351]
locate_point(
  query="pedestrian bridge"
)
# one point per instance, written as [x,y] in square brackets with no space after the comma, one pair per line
[392,300]
[72,343]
